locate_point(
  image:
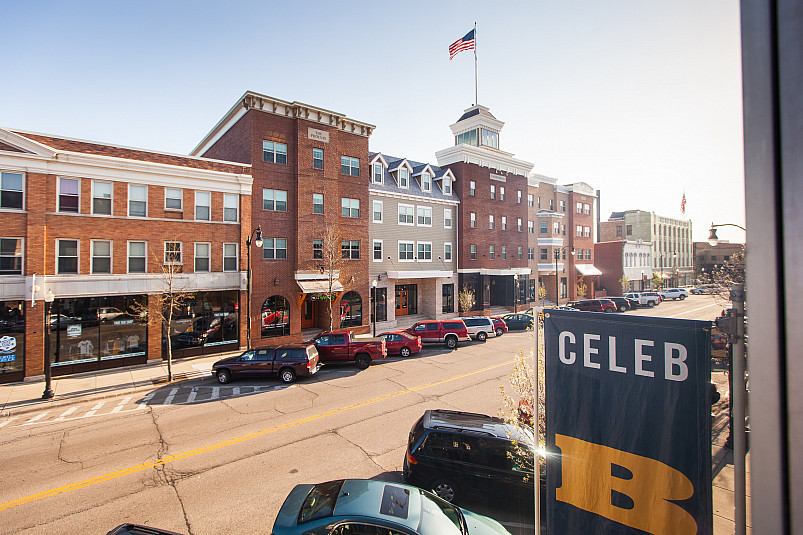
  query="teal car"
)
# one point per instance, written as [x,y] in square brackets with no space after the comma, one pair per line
[367,507]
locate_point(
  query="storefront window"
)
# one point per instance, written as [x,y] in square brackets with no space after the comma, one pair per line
[92,329]
[351,310]
[381,304]
[12,340]
[208,319]
[448,298]
[275,317]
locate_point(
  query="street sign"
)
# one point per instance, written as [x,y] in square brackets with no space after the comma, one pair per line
[628,424]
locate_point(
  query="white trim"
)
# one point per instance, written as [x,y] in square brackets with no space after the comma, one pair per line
[550,242]
[381,211]
[92,257]
[373,173]
[66,286]
[78,255]
[398,214]
[503,272]
[58,194]
[128,256]
[483,157]
[128,200]
[423,274]
[236,257]
[92,197]
[373,250]
[378,156]
[413,198]
[430,251]
[398,252]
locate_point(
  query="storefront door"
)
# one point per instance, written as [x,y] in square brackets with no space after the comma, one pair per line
[308,314]
[401,303]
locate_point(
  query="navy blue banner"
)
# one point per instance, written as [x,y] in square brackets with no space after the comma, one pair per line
[628,424]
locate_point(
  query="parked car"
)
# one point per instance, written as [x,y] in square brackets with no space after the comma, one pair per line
[401,343]
[368,507]
[644,299]
[518,322]
[500,327]
[654,294]
[479,327]
[138,529]
[449,332]
[622,304]
[705,289]
[286,361]
[453,453]
[342,346]
[594,305]
[674,293]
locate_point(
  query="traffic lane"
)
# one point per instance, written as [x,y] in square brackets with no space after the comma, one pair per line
[696,307]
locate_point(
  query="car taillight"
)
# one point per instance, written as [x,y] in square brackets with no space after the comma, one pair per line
[411,459]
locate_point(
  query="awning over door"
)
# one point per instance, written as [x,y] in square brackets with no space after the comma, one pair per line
[319,286]
[587,270]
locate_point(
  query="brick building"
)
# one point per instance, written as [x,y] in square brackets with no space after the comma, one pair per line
[92,228]
[310,172]
[626,266]
[708,258]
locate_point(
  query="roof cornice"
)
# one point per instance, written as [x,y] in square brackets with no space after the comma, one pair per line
[484,157]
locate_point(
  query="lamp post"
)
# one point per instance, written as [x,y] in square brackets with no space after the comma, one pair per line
[373,305]
[48,393]
[713,240]
[258,243]
[557,257]
[516,292]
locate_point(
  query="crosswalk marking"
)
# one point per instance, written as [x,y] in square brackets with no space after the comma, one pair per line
[236,391]
[215,392]
[65,414]
[169,399]
[93,410]
[144,403]
[11,419]
[37,418]
[192,395]
[120,405]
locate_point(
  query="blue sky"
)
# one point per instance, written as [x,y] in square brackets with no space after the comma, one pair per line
[641,100]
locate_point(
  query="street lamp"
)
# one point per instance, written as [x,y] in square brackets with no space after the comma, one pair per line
[557,257]
[48,393]
[713,240]
[516,293]
[258,243]
[373,303]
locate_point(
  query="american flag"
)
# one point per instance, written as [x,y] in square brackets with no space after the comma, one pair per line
[466,43]
[683,203]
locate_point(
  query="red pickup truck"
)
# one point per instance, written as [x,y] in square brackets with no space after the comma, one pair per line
[342,346]
[449,332]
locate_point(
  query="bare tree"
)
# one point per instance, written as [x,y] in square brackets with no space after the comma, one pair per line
[174,295]
[625,282]
[332,261]
[582,288]
[465,299]
[541,293]
[725,275]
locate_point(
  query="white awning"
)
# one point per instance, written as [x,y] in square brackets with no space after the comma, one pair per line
[428,274]
[587,270]
[319,286]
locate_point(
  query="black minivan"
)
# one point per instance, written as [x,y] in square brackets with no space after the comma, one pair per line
[454,453]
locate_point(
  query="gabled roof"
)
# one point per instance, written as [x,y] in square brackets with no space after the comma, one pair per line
[421,168]
[395,163]
[389,183]
[377,156]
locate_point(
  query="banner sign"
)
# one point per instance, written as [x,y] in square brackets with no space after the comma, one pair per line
[628,426]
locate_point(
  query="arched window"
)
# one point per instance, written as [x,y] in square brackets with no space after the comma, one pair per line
[351,310]
[275,317]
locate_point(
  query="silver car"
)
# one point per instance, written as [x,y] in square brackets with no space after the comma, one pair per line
[479,327]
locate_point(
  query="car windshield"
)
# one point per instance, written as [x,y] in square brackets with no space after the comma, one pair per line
[439,517]
[320,501]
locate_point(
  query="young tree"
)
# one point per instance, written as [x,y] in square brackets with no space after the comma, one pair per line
[657,281]
[541,293]
[582,288]
[331,263]
[625,282]
[465,299]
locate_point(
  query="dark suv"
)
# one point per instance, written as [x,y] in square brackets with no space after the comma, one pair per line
[595,305]
[452,453]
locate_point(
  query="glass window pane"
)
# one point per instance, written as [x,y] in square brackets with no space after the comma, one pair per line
[136,248]
[101,248]
[11,181]
[68,248]
[138,193]
[68,186]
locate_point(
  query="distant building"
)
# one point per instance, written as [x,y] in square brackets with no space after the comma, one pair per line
[626,266]
[707,257]
[671,239]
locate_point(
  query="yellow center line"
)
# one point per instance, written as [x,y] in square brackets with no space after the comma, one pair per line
[230,442]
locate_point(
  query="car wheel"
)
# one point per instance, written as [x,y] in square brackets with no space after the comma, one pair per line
[481,336]
[499,331]
[405,351]
[451,342]
[223,376]
[608,309]
[682,297]
[363,361]
[622,308]
[444,490]
[650,304]
[287,375]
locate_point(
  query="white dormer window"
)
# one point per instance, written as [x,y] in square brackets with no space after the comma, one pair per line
[426,182]
[377,174]
[404,178]
[447,186]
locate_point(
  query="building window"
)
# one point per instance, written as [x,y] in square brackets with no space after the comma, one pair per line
[504,223]
[447,298]
[377,211]
[69,189]
[349,207]
[564,288]
[518,196]
[11,190]
[136,257]
[425,251]
[231,207]
[424,216]
[542,227]
[530,227]
[377,250]
[447,186]
[274,200]
[274,152]
[230,257]
[172,252]
[447,252]
[350,249]
[468,138]
[587,232]
[563,229]
[539,202]
[317,248]
[317,158]
[101,198]
[447,218]
[504,252]
[406,251]
[378,173]
[10,256]
[491,252]
[556,228]
[67,261]
[473,218]
[406,214]
[426,182]
[518,224]
[203,205]
[493,191]
[274,249]
[562,206]
[351,310]
[588,254]
[531,253]
[349,166]
[530,200]
[275,317]
[202,257]
[491,223]
[586,209]
[472,188]
[174,199]
[629,230]
[501,193]
[404,178]
[101,256]
[579,231]
[551,205]
[519,253]
[137,201]
[544,255]
[317,203]
[473,252]
[618,230]
[579,208]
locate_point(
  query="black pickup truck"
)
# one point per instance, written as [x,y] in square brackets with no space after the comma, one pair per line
[286,361]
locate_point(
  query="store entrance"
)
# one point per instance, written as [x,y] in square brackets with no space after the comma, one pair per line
[308,314]
[402,308]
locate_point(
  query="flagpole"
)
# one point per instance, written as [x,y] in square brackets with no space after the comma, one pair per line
[476,98]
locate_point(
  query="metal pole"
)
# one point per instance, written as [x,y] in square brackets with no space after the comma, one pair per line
[739,397]
[536,417]
[476,98]
[373,314]
[48,393]
[557,299]
[248,299]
